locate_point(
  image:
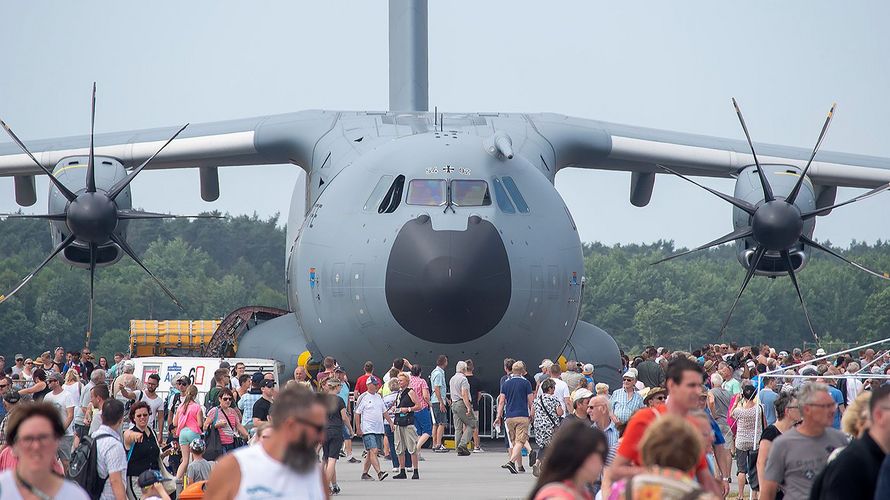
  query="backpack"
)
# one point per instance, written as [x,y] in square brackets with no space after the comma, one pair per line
[84,469]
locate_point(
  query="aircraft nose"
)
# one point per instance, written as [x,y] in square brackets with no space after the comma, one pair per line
[448,287]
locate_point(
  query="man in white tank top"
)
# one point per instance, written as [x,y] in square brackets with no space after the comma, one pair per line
[284,465]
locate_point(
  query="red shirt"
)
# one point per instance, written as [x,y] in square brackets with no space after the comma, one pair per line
[361,385]
[633,434]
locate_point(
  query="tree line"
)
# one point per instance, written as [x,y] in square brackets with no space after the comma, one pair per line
[216,266]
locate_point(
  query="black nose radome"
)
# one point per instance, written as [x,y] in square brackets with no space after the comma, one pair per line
[448,286]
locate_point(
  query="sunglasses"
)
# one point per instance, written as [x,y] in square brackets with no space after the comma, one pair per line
[225,399]
[29,363]
[318,427]
[141,415]
[661,398]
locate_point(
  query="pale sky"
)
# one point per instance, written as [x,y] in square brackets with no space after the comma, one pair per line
[669,65]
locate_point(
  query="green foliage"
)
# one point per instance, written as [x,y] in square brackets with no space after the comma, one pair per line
[212,266]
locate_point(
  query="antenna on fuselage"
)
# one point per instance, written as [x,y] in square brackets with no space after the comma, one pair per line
[408,55]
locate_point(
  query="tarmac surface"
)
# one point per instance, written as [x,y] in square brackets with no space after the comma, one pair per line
[442,476]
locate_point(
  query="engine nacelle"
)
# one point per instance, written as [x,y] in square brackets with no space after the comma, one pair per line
[782,179]
[71,171]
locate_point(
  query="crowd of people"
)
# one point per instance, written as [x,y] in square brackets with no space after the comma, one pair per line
[699,424]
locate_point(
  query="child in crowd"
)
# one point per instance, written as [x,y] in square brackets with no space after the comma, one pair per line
[198,469]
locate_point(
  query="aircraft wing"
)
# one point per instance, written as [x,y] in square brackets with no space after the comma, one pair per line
[600,145]
[286,138]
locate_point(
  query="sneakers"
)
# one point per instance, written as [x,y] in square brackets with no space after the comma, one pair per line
[521,469]
[335,490]
[354,460]
[462,451]
[382,475]
[401,475]
[477,449]
[416,474]
[532,458]
[367,477]
[395,469]
[510,466]
[440,449]
[342,454]
[364,453]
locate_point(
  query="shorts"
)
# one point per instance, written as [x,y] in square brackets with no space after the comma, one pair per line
[741,460]
[423,422]
[346,433]
[186,436]
[81,430]
[331,447]
[406,439]
[66,444]
[371,441]
[440,416]
[517,429]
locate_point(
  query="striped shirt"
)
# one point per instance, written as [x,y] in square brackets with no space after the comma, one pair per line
[611,433]
[110,457]
[624,406]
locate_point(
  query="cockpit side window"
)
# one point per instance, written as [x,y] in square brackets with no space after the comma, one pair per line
[521,205]
[470,193]
[503,200]
[393,197]
[380,190]
[426,192]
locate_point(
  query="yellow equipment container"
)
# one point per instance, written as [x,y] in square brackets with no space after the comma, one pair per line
[158,338]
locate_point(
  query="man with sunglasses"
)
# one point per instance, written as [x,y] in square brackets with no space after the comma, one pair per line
[263,406]
[19,364]
[10,400]
[799,455]
[284,465]
[64,402]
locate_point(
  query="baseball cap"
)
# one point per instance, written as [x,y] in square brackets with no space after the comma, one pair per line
[547,363]
[782,354]
[12,397]
[19,357]
[580,394]
[588,369]
[373,380]
[149,478]
[820,352]
[198,445]
[631,373]
[257,377]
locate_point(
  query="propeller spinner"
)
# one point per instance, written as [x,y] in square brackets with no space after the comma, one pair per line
[776,224]
[92,215]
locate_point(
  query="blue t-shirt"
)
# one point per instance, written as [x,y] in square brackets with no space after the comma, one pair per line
[344,393]
[516,390]
[437,379]
[768,398]
[839,399]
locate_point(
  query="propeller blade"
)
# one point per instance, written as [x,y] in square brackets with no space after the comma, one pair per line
[787,258]
[33,273]
[129,251]
[758,254]
[92,289]
[738,234]
[767,189]
[61,187]
[825,249]
[742,204]
[34,216]
[796,189]
[133,215]
[820,211]
[91,167]
[123,183]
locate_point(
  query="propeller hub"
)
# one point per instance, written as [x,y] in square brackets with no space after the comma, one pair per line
[92,217]
[777,225]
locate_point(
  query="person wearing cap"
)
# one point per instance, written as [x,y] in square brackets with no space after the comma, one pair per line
[587,371]
[64,403]
[19,364]
[245,404]
[580,400]
[370,413]
[199,468]
[27,373]
[625,401]
[545,371]
[10,402]
[151,483]
[654,396]
[263,405]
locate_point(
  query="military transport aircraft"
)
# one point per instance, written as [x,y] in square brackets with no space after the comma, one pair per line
[428,233]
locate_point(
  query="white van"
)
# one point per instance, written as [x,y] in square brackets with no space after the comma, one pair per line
[199,370]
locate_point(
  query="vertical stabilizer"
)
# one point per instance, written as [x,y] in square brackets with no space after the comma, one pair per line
[408,54]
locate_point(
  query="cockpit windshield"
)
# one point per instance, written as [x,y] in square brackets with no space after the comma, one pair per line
[470,193]
[426,192]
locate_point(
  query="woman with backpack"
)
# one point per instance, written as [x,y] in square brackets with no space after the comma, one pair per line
[141,444]
[227,420]
[189,419]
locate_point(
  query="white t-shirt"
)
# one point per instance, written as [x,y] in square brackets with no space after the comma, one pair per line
[10,491]
[264,477]
[561,391]
[62,401]
[370,407]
